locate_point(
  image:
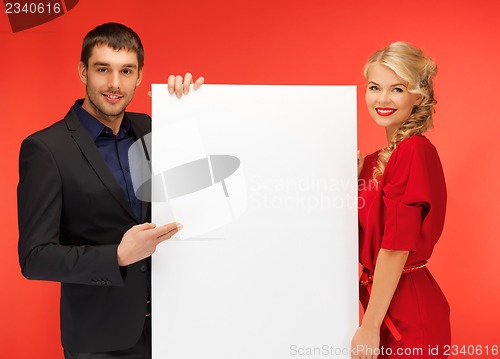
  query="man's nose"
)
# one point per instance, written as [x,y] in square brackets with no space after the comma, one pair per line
[114,80]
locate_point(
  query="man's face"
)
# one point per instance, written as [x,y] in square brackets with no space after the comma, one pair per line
[110,78]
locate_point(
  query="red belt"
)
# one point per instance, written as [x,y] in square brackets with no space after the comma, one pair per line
[367,281]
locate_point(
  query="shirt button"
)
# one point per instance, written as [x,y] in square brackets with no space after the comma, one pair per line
[144,268]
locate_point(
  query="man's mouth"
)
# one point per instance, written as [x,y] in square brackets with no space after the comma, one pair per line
[114,98]
[385,111]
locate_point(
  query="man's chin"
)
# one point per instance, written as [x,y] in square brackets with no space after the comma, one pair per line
[106,110]
[113,112]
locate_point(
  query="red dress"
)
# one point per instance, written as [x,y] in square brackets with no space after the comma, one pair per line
[406,212]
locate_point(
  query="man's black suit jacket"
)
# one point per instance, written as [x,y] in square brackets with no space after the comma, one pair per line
[72,216]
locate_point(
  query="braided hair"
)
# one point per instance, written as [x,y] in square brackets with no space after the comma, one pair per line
[418,70]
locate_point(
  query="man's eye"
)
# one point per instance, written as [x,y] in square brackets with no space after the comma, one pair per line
[127,72]
[101,69]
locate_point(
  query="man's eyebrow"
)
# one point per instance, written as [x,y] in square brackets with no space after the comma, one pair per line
[97,64]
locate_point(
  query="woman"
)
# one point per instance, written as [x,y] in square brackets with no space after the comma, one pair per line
[403,193]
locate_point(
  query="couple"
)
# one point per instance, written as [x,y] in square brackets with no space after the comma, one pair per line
[80,223]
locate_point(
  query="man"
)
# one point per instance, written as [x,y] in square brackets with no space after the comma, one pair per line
[79,220]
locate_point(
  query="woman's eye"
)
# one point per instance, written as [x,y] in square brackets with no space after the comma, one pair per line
[373,88]
[397,89]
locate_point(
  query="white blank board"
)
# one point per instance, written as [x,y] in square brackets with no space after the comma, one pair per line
[264,180]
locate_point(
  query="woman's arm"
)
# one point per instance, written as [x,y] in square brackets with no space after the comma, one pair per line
[388,270]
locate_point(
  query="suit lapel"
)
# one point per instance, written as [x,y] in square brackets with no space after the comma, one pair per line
[141,128]
[95,159]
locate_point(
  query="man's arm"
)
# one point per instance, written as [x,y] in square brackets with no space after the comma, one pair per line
[41,255]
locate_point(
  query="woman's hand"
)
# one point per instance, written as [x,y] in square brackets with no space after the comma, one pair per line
[365,343]
[181,85]
[361,160]
[366,340]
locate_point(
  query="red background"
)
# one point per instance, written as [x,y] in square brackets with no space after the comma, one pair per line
[276,42]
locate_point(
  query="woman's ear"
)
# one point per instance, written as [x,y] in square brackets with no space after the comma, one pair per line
[419,100]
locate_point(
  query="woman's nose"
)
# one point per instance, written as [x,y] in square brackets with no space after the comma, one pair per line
[384,97]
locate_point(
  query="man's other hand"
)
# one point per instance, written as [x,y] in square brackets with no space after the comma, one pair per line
[179,85]
[140,241]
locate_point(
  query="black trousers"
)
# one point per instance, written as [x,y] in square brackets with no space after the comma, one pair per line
[142,350]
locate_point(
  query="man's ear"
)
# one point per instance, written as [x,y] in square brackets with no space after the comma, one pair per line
[82,72]
[139,78]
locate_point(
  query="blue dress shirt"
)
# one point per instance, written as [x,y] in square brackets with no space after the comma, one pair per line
[114,150]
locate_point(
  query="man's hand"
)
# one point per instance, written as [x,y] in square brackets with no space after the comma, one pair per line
[181,85]
[140,241]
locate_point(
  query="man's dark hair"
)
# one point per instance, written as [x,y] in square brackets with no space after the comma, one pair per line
[114,35]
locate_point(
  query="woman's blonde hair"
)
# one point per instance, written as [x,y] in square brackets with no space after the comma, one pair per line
[418,70]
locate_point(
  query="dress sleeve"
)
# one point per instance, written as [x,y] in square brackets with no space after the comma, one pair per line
[414,185]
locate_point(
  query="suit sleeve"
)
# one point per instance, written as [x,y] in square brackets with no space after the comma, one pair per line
[40,201]
[413,188]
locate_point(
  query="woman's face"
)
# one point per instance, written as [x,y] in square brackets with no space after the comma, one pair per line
[388,99]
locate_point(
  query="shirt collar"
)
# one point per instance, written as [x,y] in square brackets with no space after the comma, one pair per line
[95,127]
